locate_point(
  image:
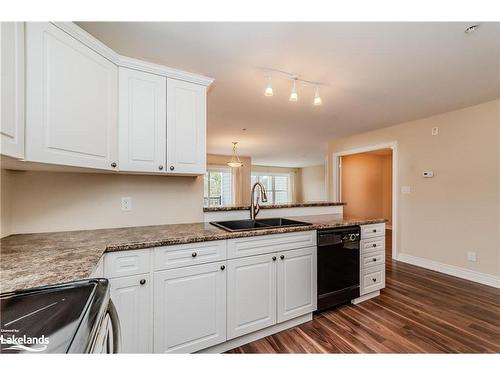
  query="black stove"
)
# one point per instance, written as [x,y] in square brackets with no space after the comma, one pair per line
[63,318]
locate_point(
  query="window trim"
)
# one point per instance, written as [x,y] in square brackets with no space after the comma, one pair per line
[218,168]
[289,191]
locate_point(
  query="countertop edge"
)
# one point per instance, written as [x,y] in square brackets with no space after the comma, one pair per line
[273,206]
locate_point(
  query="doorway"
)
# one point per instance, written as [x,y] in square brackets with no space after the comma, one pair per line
[365,180]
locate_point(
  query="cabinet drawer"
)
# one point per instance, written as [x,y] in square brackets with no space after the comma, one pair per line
[372,244]
[372,279]
[372,230]
[372,259]
[174,256]
[126,263]
[242,247]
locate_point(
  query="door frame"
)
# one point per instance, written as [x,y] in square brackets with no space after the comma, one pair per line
[337,181]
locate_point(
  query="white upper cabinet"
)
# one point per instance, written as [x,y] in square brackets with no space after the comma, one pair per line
[142,121]
[12,89]
[186,127]
[71,101]
[297,283]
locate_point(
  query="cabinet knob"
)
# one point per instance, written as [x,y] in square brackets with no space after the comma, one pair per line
[282,257]
[374,280]
[374,245]
[172,168]
[194,254]
[274,259]
[223,267]
[142,282]
[113,164]
[374,259]
[160,167]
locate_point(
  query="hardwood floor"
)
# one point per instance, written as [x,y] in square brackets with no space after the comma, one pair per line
[419,311]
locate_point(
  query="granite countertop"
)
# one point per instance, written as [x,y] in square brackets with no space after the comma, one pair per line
[264,206]
[31,260]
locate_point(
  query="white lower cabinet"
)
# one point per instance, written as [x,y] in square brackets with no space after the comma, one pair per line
[131,296]
[251,294]
[297,283]
[189,308]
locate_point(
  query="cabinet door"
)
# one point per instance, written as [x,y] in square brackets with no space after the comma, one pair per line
[251,294]
[142,121]
[297,283]
[71,101]
[12,88]
[132,298]
[186,127]
[190,308]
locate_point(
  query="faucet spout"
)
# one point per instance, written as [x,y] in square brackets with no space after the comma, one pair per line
[254,202]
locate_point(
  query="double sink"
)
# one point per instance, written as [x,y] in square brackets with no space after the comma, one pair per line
[245,225]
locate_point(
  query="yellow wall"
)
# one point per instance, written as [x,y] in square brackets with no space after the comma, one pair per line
[366,185]
[312,182]
[458,210]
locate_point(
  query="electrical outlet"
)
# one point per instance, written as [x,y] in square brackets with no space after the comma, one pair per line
[471,256]
[435,130]
[126,204]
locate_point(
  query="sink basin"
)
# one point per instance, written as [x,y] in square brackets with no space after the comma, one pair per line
[244,225]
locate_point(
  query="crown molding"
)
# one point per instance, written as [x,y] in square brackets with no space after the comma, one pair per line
[129,62]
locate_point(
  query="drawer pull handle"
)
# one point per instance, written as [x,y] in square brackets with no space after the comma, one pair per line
[223,267]
[374,259]
[374,280]
[160,167]
[113,164]
[374,245]
[142,282]
[194,254]
[172,168]
[274,259]
[282,257]
[374,231]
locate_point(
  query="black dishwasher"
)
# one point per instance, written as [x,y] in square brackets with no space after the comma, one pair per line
[338,266]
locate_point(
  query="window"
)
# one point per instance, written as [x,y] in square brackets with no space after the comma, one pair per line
[277,186]
[218,187]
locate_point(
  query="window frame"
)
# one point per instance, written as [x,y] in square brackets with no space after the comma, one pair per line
[217,168]
[289,191]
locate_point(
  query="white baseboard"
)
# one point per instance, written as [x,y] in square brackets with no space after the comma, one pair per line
[463,273]
[365,297]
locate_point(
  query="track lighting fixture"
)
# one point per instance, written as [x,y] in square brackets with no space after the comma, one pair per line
[269,88]
[293,95]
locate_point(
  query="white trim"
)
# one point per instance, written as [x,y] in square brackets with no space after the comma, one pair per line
[337,190]
[239,341]
[129,62]
[463,273]
[365,297]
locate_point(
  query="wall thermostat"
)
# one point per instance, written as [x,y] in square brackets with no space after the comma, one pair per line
[428,174]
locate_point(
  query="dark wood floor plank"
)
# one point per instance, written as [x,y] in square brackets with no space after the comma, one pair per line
[419,311]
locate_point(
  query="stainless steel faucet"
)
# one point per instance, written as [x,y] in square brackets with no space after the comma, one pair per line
[254,204]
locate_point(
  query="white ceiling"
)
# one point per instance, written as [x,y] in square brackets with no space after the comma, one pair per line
[377,74]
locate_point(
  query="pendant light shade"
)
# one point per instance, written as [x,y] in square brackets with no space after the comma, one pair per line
[269,88]
[235,161]
[293,95]
[317,99]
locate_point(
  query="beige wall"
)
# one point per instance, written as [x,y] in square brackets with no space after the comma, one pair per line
[366,185]
[51,201]
[241,176]
[312,181]
[5,204]
[458,210]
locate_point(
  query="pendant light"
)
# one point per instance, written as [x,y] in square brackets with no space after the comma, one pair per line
[317,99]
[235,161]
[269,88]
[293,95]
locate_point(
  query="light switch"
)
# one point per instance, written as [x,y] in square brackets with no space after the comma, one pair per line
[405,189]
[435,130]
